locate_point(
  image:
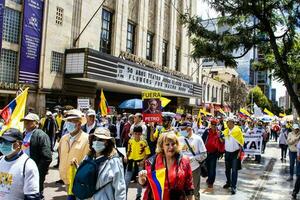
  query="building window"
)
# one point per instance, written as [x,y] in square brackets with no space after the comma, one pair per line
[164,53]
[59,16]
[177,53]
[208,88]
[149,47]
[11,25]
[8,66]
[212,93]
[217,91]
[56,61]
[130,38]
[106,31]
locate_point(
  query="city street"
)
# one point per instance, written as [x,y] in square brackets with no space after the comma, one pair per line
[256,181]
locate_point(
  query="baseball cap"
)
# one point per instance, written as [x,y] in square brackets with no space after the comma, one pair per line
[186,124]
[12,135]
[102,133]
[214,121]
[48,113]
[31,117]
[91,112]
[295,126]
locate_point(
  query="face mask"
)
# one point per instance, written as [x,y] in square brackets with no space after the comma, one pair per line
[98,146]
[184,133]
[71,127]
[6,148]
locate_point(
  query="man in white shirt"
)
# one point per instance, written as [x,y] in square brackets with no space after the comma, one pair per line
[91,123]
[19,175]
[194,148]
[234,140]
[138,121]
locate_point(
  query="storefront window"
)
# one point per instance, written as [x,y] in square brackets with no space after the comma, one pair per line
[106,31]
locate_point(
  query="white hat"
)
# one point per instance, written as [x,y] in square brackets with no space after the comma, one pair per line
[102,133]
[31,117]
[295,126]
[48,113]
[230,119]
[91,112]
[74,114]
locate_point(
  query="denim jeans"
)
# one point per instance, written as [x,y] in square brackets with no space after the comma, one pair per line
[211,162]
[128,176]
[293,160]
[231,171]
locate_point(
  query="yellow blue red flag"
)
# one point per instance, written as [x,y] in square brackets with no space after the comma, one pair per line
[268,112]
[103,104]
[244,112]
[14,112]
[157,182]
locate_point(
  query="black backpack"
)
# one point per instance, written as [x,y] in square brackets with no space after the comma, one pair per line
[85,180]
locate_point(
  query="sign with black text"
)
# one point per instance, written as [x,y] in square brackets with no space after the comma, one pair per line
[253,144]
[151,106]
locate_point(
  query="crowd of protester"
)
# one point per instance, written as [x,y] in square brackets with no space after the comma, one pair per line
[186,146]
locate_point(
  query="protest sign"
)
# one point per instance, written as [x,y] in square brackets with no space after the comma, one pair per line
[151,106]
[253,144]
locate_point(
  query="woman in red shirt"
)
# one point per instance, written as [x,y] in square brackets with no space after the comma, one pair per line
[179,180]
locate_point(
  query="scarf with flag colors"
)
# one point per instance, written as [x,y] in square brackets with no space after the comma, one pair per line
[103,104]
[157,182]
[14,112]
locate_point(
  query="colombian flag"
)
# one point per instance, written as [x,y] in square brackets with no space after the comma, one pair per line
[268,112]
[222,112]
[245,112]
[103,104]
[14,112]
[157,183]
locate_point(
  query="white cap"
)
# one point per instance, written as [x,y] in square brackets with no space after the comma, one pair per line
[31,117]
[48,113]
[295,126]
[91,112]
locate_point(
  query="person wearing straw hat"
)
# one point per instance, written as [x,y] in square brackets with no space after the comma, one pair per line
[36,144]
[111,173]
[73,147]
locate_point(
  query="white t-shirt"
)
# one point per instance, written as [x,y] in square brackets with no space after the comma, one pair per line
[13,184]
[231,145]
[198,147]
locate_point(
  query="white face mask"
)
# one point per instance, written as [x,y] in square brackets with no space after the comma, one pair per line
[98,146]
[71,127]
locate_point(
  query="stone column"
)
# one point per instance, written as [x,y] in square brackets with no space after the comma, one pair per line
[159,31]
[120,27]
[142,28]
[172,35]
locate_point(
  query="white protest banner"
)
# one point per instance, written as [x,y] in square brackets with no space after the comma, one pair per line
[253,144]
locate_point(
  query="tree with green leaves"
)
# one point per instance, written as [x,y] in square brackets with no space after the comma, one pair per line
[257,96]
[270,25]
[237,94]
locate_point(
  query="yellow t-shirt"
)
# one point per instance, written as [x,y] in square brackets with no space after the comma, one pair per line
[137,150]
[58,121]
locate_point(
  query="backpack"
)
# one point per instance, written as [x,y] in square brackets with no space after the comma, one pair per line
[85,180]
